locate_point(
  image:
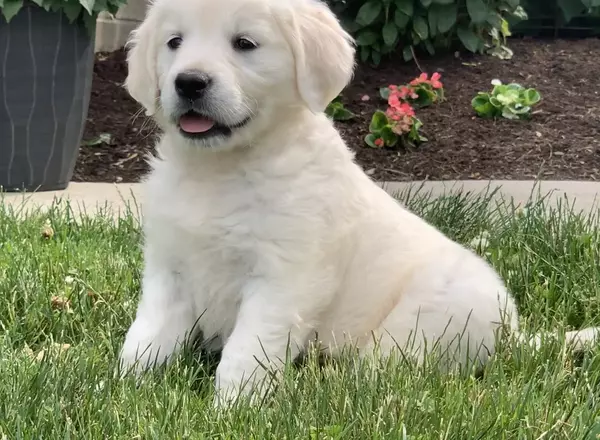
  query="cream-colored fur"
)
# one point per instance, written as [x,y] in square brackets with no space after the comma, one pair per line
[272,237]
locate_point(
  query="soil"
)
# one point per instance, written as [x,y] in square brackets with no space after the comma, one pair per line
[560,142]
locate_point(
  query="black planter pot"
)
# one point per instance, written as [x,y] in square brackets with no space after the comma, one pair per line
[45,84]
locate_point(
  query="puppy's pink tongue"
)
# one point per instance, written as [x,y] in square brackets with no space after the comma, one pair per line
[195,123]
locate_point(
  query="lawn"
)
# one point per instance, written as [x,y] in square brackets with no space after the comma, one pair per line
[76,282]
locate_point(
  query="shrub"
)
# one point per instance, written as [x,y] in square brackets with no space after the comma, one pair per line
[567,18]
[510,101]
[85,10]
[381,26]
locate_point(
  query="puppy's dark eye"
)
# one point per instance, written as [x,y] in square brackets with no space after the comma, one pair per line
[174,42]
[244,44]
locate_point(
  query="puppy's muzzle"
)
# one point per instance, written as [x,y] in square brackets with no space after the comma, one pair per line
[192,85]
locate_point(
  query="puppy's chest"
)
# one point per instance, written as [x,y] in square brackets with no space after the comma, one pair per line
[221,240]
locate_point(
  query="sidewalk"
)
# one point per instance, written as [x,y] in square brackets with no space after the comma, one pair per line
[91,197]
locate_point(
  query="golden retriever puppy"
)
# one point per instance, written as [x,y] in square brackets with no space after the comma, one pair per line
[260,230]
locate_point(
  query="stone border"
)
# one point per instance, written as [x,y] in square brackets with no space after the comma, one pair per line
[92,198]
[112,32]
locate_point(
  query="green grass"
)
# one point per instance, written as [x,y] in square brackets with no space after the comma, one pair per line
[549,258]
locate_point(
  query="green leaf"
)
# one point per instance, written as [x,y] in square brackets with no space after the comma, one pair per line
[11,8]
[376,57]
[420,27]
[519,14]
[370,140]
[390,33]
[331,109]
[72,11]
[482,106]
[478,11]
[531,97]
[414,136]
[494,19]
[389,137]
[37,2]
[350,25]
[433,16]
[343,114]
[88,5]
[407,53]
[444,2]
[384,92]
[102,138]
[509,114]
[446,18]
[495,102]
[336,100]
[401,19]
[378,121]
[368,12]
[405,6]
[425,98]
[366,38]
[468,38]
[429,47]
[571,9]
[89,22]
[426,3]
[415,38]
[365,53]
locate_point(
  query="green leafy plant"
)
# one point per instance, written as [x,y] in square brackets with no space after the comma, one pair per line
[398,124]
[336,111]
[382,26]
[85,10]
[579,15]
[510,101]
[385,131]
[420,92]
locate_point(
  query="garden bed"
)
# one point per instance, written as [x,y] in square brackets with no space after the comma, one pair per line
[561,141]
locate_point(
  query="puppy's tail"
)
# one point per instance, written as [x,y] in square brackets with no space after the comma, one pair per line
[577,340]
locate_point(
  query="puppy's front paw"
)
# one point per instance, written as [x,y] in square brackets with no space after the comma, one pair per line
[225,398]
[141,349]
[133,359]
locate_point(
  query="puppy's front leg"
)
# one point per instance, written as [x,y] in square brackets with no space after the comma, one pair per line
[163,320]
[273,325]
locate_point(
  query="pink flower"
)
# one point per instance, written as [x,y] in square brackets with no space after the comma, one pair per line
[407,109]
[393,114]
[394,100]
[378,142]
[399,110]
[435,81]
[408,91]
[421,79]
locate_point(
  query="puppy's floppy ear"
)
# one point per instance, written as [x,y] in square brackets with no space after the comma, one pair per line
[323,52]
[141,82]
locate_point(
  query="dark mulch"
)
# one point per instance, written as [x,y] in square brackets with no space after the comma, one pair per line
[562,141]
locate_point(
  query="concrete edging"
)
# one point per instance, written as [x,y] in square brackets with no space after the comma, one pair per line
[112,32]
[93,198]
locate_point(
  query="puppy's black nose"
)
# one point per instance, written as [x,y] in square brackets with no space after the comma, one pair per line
[192,85]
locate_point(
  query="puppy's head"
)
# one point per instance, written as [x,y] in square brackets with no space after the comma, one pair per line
[218,73]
